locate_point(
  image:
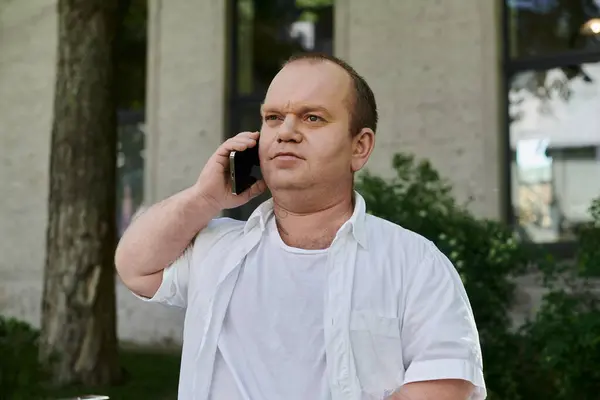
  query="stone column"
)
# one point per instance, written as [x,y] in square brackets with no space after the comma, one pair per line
[28,41]
[435,70]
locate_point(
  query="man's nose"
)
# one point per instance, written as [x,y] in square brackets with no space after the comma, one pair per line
[288,130]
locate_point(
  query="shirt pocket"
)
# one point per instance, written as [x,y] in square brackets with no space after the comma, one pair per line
[377,351]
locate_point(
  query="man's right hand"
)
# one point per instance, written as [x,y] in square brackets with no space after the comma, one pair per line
[214,183]
[159,237]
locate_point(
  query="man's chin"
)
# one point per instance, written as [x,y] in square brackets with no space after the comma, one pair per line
[286,184]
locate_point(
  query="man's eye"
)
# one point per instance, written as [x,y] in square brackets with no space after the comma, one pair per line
[314,118]
[270,117]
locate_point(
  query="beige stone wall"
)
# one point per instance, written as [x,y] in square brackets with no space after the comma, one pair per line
[27,65]
[434,68]
[186,91]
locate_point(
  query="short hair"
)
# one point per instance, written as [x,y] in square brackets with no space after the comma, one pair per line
[363,111]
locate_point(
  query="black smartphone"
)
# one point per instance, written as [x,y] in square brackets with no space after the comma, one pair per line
[244,169]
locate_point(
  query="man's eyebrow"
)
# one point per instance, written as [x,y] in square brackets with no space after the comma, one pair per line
[299,109]
[309,107]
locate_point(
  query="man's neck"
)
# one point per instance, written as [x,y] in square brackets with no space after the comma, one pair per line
[312,227]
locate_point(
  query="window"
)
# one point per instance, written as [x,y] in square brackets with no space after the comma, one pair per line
[264,34]
[130,167]
[555,142]
[130,50]
[552,59]
[543,27]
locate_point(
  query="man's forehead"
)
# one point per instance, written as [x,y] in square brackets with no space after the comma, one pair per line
[309,82]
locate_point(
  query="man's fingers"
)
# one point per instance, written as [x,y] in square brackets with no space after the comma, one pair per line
[235,144]
[254,135]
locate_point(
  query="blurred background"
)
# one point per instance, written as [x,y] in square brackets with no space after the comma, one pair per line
[502,98]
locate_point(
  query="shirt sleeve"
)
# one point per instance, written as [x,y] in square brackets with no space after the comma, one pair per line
[175,278]
[439,336]
[173,291]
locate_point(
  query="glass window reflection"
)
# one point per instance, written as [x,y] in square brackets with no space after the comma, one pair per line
[555,139]
[130,168]
[270,31]
[542,27]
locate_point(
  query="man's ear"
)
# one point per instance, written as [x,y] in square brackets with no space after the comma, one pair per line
[363,144]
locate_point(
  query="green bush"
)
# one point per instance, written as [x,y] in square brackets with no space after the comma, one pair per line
[589,248]
[562,343]
[20,373]
[540,360]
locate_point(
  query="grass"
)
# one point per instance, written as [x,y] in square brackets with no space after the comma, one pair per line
[152,376]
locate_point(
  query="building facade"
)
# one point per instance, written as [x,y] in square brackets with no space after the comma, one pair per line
[449,86]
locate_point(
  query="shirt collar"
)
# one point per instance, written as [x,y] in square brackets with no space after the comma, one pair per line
[356,224]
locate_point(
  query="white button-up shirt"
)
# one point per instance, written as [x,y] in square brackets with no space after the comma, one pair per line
[395,308]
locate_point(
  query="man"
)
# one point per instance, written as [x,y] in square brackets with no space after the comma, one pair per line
[311,298]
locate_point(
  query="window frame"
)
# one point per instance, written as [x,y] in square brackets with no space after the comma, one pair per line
[510,66]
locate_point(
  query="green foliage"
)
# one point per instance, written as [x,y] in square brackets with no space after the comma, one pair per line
[562,345]
[151,375]
[554,356]
[20,372]
[589,244]
[562,348]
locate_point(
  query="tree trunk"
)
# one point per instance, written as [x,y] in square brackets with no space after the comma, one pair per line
[78,338]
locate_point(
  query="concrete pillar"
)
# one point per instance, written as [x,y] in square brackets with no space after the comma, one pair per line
[434,67]
[186,91]
[28,41]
